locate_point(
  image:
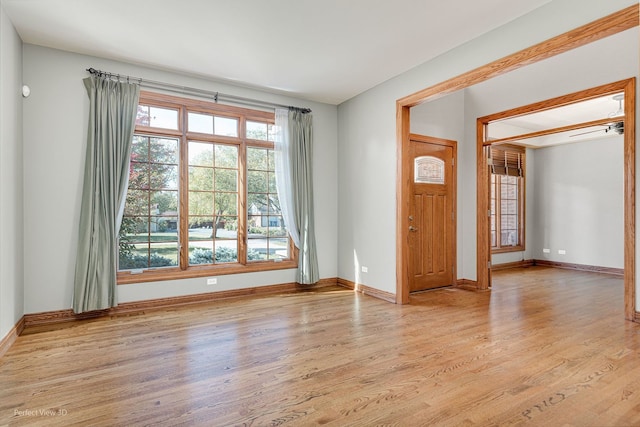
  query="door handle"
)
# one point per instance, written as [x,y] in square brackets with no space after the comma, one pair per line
[412,228]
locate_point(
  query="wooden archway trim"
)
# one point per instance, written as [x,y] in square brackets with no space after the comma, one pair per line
[612,24]
[629,88]
[609,25]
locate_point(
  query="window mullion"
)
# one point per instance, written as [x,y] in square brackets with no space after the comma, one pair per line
[498,212]
[521,213]
[242,202]
[183,235]
[493,204]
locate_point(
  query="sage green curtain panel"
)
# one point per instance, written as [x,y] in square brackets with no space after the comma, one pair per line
[282,157]
[112,114]
[300,134]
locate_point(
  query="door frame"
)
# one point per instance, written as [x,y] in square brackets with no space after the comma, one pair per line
[454,184]
[617,22]
[627,86]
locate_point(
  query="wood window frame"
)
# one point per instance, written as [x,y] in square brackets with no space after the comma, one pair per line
[498,249]
[183,270]
[614,23]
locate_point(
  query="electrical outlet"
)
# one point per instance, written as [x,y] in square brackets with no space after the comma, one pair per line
[364,269]
[212,281]
[546,251]
[562,252]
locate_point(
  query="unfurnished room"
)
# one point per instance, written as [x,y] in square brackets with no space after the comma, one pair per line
[299,213]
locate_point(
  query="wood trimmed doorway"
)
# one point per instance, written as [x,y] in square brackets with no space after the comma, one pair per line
[612,24]
[627,86]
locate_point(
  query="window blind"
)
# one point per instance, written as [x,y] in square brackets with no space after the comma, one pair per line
[507,160]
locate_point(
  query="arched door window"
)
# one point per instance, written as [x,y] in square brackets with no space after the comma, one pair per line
[428,170]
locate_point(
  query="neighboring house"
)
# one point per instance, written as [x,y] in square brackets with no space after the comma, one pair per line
[259,217]
[162,221]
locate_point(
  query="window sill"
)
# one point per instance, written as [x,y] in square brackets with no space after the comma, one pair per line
[507,249]
[160,274]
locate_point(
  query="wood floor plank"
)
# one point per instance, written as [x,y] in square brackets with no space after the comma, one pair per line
[544,347]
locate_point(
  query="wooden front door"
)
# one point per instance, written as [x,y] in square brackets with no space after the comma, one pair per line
[432,217]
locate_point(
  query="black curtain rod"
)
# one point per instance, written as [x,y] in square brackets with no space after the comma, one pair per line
[216,96]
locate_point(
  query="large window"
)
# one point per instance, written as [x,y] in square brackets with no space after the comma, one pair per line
[201,199]
[507,198]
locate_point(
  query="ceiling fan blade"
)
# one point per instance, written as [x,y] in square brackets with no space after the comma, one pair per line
[585,133]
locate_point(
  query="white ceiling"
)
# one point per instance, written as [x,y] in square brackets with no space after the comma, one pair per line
[322,50]
[581,112]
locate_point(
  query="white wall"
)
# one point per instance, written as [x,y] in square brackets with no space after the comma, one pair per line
[55,126]
[11,254]
[367,143]
[578,203]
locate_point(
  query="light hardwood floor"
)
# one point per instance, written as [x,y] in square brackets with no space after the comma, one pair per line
[546,347]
